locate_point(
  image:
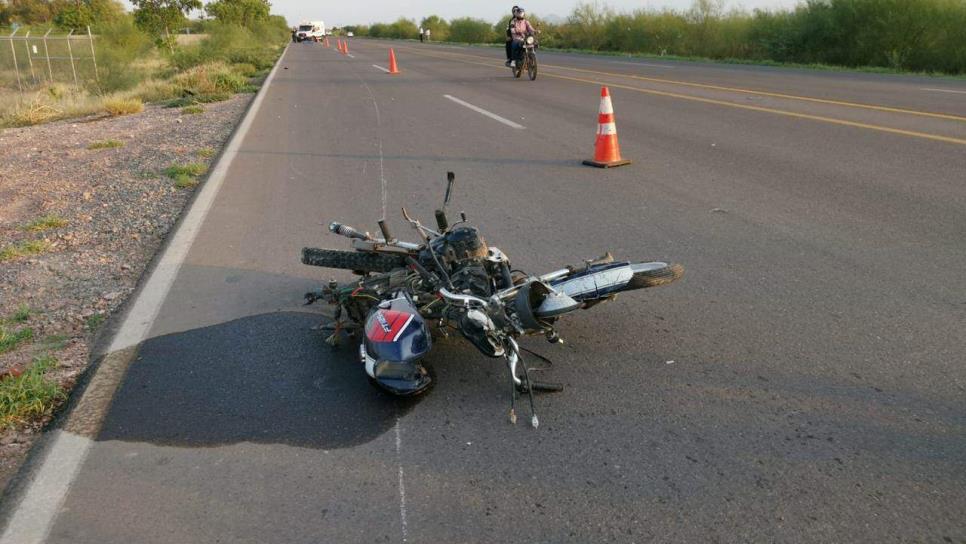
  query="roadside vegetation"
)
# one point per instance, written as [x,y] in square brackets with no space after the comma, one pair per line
[186,175]
[29,394]
[140,59]
[927,36]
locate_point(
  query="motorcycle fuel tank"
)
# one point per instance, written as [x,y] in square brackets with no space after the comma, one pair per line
[396,338]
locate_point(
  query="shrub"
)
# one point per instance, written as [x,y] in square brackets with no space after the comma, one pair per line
[119,44]
[117,106]
[193,109]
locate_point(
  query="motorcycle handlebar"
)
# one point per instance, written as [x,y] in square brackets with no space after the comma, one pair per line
[347,231]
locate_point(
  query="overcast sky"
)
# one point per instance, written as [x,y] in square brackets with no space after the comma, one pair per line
[368,11]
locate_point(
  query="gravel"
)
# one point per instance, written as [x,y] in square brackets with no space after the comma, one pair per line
[118,206]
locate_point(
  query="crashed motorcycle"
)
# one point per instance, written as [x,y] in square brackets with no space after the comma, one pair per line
[453,280]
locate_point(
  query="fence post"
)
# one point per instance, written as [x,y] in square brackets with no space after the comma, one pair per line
[26,44]
[15,67]
[70,53]
[93,54]
[50,71]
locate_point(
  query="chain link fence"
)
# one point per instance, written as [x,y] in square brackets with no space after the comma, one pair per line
[29,59]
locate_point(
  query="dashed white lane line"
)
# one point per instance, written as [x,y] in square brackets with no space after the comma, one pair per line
[942,90]
[41,503]
[489,114]
[381,68]
[349,55]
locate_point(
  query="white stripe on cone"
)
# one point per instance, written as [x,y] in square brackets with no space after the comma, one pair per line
[607,129]
[605,105]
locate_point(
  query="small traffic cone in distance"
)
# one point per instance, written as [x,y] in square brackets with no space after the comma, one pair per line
[607,152]
[325,41]
[345,47]
[393,69]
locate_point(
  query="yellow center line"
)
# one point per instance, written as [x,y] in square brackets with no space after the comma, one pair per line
[843,103]
[832,120]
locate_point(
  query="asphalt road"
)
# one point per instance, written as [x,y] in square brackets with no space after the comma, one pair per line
[805,381]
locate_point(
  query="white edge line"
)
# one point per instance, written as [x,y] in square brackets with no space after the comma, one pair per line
[381,68]
[489,114]
[942,90]
[35,515]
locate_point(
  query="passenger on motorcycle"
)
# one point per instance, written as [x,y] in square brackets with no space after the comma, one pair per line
[518,30]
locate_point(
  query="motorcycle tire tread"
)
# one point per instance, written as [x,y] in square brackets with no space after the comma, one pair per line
[656,278]
[352,260]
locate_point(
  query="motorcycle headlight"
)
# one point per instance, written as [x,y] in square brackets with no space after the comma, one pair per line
[530,40]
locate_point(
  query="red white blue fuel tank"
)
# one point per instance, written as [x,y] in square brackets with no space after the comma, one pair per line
[396,339]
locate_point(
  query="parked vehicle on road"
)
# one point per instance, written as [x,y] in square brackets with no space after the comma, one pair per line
[310,31]
[526,59]
[452,280]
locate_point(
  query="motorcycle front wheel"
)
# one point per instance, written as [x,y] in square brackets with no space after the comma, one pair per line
[532,66]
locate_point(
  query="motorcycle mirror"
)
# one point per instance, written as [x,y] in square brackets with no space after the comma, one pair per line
[450,178]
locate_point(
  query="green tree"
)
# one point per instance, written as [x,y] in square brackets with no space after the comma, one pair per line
[79,14]
[155,16]
[28,11]
[240,12]
[438,27]
[470,30]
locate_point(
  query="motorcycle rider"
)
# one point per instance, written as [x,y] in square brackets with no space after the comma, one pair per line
[509,41]
[518,30]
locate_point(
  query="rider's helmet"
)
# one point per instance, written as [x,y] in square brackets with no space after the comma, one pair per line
[515,10]
[520,13]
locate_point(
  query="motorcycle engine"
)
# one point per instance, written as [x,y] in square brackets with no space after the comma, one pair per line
[463,252]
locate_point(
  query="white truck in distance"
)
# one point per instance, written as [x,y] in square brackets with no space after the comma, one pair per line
[310,30]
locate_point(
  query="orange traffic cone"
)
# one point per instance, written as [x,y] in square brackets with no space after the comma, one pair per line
[607,153]
[325,41]
[339,46]
[345,47]
[393,69]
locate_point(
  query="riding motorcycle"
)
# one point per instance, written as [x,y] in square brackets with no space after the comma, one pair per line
[453,280]
[526,59]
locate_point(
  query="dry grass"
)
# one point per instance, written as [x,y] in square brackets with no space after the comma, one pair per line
[106,144]
[24,249]
[193,109]
[189,39]
[117,106]
[47,222]
[153,90]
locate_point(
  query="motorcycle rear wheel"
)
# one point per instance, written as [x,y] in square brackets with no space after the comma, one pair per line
[352,260]
[532,67]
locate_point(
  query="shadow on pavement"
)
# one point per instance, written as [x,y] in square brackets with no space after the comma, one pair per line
[269,378]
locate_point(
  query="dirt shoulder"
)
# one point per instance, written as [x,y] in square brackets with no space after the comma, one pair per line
[79,224]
